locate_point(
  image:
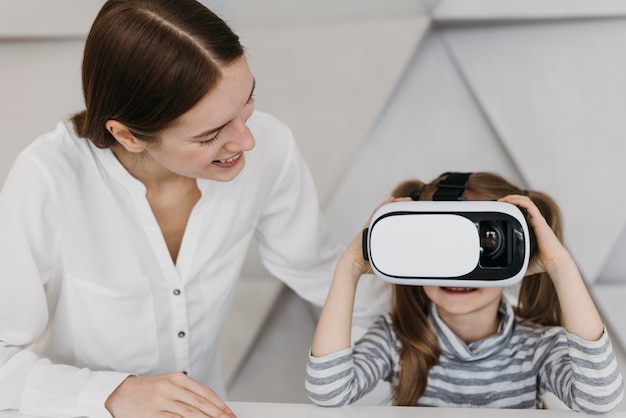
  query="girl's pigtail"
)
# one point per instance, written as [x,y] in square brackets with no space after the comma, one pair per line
[420,347]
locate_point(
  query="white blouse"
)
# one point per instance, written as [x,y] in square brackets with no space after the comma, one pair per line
[89,292]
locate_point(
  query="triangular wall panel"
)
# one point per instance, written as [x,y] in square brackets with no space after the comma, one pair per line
[554,93]
[329,82]
[431,125]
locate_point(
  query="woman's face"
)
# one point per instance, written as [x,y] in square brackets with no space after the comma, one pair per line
[210,139]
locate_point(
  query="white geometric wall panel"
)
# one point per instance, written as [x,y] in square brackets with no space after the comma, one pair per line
[432,124]
[614,270]
[39,85]
[516,10]
[609,289]
[330,81]
[44,18]
[243,14]
[554,93]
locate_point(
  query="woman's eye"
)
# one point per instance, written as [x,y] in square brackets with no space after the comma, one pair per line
[211,140]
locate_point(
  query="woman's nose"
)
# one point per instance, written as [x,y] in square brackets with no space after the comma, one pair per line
[241,137]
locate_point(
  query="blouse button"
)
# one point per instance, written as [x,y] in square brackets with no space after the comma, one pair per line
[176,292]
[181,334]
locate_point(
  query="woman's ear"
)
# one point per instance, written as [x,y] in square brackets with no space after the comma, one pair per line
[124,137]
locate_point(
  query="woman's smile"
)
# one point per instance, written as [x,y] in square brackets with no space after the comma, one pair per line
[228,162]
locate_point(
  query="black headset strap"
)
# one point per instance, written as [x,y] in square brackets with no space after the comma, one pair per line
[452,187]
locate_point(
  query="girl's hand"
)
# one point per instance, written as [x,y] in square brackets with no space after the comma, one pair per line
[549,249]
[166,395]
[334,328]
[353,254]
[578,312]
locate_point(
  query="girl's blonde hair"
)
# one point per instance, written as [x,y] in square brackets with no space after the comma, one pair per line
[537,302]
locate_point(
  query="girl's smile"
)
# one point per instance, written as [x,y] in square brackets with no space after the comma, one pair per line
[458,290]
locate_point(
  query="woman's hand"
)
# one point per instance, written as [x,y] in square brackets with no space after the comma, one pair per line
[165,395]
[550,251]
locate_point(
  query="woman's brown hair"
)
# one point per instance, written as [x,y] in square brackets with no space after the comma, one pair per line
[146,62]
[537,303]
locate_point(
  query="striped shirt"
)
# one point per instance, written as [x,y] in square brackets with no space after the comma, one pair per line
[511,369]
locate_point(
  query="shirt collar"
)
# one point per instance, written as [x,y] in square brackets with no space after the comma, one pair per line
[452,346]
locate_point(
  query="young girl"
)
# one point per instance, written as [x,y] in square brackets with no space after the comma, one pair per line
[470,347]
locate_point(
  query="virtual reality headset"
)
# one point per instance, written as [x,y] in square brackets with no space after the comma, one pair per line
[451,243]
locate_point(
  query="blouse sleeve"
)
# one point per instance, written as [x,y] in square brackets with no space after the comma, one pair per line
[343,377]
[584,374]
[297,246]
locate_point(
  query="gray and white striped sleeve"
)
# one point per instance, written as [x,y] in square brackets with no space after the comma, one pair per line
[585,376]
[343,377]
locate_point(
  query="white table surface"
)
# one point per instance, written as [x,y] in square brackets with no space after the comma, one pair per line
[283,410]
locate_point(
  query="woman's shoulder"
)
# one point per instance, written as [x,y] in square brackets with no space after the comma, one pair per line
[275,146]
[60,144]
[273,137]
[57,157]
[264,120]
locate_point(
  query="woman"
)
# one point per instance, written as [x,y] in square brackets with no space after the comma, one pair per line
[123,231]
